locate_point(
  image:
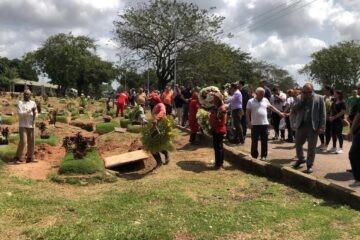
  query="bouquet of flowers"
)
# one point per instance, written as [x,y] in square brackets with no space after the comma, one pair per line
[202,117]
[158,138]
[206,96]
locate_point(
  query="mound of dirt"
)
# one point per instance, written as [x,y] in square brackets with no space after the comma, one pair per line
[136,145]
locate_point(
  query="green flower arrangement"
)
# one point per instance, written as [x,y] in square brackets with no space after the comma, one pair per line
[158,139]
[202,117]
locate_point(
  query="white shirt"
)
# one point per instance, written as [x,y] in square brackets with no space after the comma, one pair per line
[290,101]
[259,111]
[275,101]
[26,117]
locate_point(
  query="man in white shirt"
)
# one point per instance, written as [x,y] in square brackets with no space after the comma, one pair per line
[257,119]
[27,112]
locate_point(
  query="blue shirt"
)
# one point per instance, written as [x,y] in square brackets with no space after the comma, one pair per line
[235,100]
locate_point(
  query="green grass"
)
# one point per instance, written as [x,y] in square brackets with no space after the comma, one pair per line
[52,140]
[43,116]
[14,138]
[8,120]
[61,119]
[197,207]
[125,122]
[92,163]
[7,153]
[103,127]
[134,128]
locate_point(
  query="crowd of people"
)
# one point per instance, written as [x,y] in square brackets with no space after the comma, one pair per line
[304,115]
[307,116]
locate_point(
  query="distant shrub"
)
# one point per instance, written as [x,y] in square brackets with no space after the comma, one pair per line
[103,127]
[134,128]
[62,119]
[92,163]
[8,120]
[124,123]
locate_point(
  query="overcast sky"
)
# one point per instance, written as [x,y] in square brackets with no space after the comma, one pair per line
[284,32]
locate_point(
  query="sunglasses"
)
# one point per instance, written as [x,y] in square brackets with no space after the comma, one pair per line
[306,92]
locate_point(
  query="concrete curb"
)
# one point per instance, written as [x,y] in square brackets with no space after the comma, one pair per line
[289,176]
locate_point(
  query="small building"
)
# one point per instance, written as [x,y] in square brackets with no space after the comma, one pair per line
[37,88]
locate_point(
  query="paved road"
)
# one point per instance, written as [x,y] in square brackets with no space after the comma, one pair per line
[329,166]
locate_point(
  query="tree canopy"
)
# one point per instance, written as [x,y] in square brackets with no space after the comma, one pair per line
[337,66]
[71,62]
[16,68]
[159,29]
[215,63]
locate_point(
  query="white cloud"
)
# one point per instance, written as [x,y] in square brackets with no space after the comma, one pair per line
[282,34]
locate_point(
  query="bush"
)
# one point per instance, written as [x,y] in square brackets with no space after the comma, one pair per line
[62,119]
[74,114]
[103,127]
[52,140]
[8,120]
[112,113]
[7,153]
[134,128]
[125,122]
[92,163]
[161,141]
[96,115]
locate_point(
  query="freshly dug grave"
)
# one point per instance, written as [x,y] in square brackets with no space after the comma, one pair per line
[118,143]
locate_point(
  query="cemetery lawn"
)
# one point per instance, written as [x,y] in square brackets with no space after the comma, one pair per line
[183,200]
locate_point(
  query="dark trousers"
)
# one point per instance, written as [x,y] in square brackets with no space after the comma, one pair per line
[244,125]
[276,124]
[236,116]
[327,135]
[291,132]
[259,131]
[157,156]
[185,114]
[218,148]
[168,109]
[354,154]
[336,132]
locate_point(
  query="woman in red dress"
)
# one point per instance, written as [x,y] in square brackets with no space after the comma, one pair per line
[193,124]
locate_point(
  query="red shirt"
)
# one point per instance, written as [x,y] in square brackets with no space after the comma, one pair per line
[122,99]
[218,120]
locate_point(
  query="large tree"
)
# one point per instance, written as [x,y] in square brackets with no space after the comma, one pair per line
[213,62]
[276,76]
[160,29]
[337,66]
[71,62]
[14,68]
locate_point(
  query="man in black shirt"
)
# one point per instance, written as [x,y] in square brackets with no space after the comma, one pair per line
[263,84]
[245,98]
[186,97]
